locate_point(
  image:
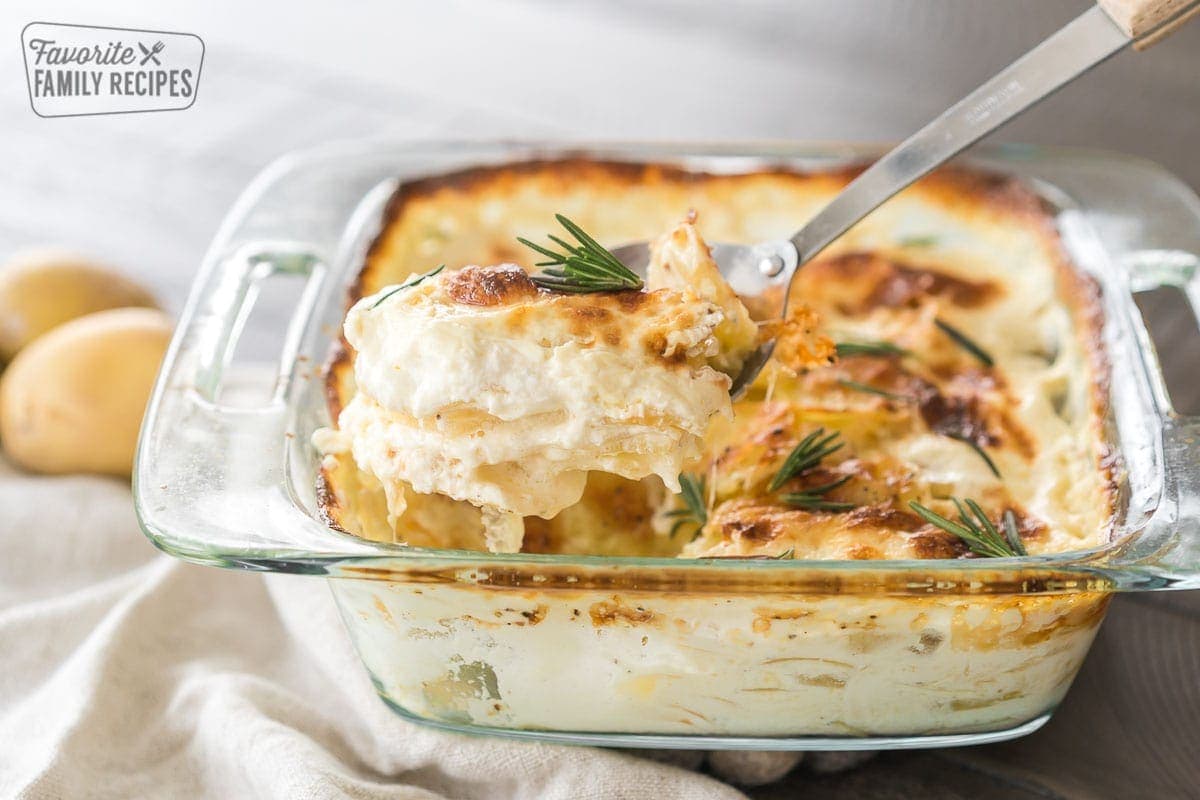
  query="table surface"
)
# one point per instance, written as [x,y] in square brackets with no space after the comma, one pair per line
[146,192]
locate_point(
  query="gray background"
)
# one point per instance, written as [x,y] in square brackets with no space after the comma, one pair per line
[146,192]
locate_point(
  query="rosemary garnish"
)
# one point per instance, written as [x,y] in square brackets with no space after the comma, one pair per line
[845,349]
[962,340]
[976,530]
[919,241]
[586,266]
[411,282]
[692,490]
[789,553]
[862,387]
[974,445]
[813,498]
[807,454]
[1011,533]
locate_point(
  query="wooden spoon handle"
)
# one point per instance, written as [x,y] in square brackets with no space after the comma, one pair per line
[1139,17]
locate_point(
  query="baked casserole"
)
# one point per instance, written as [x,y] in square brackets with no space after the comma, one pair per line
[951,373]
[1012,417]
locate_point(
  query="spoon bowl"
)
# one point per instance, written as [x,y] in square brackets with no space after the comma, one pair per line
[750,270]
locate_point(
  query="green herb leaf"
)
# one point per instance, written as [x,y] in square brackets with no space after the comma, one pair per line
[810,503]
[974,528]
[807,454]
[919,241]
[813,498]
[963,341]
[974,445]
[847,349]
[585,266]
[789,553]
[695,512]
[411,282]
[865,389]
[1012,534]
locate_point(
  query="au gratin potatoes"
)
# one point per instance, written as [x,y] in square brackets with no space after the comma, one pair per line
[941,375]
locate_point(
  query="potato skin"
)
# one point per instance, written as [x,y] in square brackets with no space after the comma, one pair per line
[41,289]
[73,400]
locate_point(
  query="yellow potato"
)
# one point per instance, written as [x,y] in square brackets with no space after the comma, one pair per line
[73,400]
[41,289]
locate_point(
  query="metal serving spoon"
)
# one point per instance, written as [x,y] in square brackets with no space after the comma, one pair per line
[1088,40]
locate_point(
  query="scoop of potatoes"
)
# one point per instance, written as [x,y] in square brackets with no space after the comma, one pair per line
[84,345]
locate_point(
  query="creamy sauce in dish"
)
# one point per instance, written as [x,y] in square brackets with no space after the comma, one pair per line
[477,385]
[968,368]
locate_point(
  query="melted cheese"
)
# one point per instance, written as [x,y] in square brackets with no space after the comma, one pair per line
[680,259]
[479,387]
[975,251]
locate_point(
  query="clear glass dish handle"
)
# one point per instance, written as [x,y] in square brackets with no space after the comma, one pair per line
[1170,546]
[239,282]
[200,507]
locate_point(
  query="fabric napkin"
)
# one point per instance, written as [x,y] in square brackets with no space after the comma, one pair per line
[127,673]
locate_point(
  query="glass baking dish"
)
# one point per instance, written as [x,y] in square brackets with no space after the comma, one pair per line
[622,651]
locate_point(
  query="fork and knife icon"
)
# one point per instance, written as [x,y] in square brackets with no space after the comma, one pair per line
[151,54]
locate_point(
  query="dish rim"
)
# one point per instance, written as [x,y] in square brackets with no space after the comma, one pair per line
[346,555]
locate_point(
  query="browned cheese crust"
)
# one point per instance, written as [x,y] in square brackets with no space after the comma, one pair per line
[879,280]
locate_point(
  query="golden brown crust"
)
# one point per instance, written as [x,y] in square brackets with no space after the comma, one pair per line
[878,280]
[798,346]
[949,186]
[946,393]
[329,508]
[751,526]
[338,372]
[601,319]
[505,284]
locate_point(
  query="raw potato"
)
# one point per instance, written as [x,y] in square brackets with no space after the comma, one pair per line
[41,289]
[72,401]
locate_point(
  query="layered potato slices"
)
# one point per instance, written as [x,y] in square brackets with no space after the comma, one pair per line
[478,385]
[475,410]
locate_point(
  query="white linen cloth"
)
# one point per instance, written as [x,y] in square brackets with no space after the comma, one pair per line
[127,673]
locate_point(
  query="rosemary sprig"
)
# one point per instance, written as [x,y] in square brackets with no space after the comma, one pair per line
[963,341]
[974,445]
[976,530]
[845,349]
[789,553]
[807,454]
[411,282]
[695,512]
[1011,534]
[919,241]
[866,389]
[813,498]
[585,266]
